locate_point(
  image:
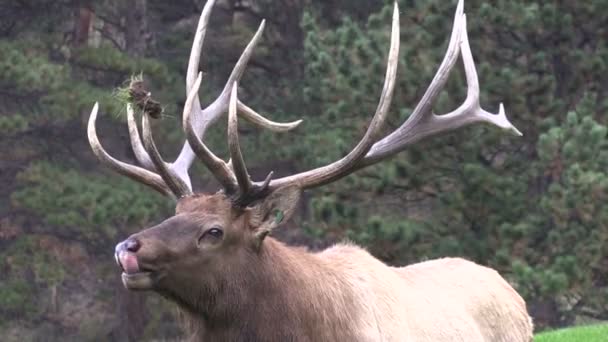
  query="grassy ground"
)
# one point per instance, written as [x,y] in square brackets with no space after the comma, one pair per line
[591,333]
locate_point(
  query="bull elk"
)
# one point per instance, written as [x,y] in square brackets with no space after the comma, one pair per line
[234,282]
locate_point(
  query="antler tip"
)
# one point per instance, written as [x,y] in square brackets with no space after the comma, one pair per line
[516,132]
[93,116]
[286,126]
[460,6]
[267,180]
[261,28]
[209,4]
[459,15]
[91,132]
[507,124]
[396,14]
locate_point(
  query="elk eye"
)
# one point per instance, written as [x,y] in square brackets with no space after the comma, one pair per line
[211,236]
[215,232]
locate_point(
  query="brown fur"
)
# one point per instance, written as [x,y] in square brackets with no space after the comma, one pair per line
[238,290]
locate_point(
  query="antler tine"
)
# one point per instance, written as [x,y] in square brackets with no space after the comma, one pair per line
[238,163]
[258,120]
[201,119]
[423,122]
[248,191]
[344,166]
[138,149]
[197,46]
[173,181]
[217,166]
[241,64]
[136,173]
[432,92]
[473,93]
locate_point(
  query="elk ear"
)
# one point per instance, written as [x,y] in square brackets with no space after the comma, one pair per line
[275,209]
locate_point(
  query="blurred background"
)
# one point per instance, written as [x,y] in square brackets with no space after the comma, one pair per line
[532,207]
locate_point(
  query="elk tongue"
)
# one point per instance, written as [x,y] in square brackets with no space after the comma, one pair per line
[128,262]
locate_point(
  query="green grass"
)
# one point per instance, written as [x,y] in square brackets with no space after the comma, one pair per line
[591,333]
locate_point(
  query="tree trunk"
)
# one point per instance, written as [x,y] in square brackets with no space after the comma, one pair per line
[131,310]
[83,25]
[137,34]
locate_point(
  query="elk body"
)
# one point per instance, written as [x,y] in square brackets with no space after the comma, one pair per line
[234,282]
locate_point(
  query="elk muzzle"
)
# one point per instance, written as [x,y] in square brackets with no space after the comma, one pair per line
[133,276]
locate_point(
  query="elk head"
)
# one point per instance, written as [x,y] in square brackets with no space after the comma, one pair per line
[219,235]
[208,236]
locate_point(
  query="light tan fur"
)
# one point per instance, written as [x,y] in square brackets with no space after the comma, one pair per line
[344,293]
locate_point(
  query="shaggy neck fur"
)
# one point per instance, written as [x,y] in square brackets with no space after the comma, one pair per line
[276,296]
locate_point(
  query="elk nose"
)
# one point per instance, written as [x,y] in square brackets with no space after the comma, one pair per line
[132,245]
[129,245]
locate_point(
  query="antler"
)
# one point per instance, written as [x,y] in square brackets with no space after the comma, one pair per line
[422,123]
[233,175]
[173,178]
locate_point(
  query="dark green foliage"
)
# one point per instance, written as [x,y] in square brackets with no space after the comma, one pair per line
[91,208]
[54,199]
[27,272]
[568,228]
[39,90]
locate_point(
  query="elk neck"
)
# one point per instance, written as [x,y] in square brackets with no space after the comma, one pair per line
[279,293]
